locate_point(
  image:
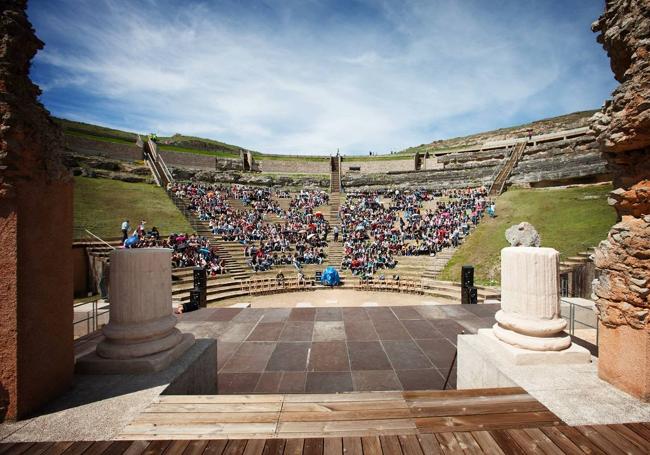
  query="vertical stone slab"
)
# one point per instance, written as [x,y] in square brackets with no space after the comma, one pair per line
[622,129]
[36,354]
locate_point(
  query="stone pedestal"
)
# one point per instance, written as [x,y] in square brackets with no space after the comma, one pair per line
[530,300]
[141,335]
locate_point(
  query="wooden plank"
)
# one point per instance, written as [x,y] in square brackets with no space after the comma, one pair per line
[332,446]
[448,443]
[468,443]
[506,443]
[15,448]
[598,439]
[371,445]
[617,439]
[213,407]
[483,422]
[561,441]
[524,441]
[219,399]
[466,393]
[214,430]
[425,402]
[352,446]
[479,408]
[584,443]
[192,418]
[235,447]
[313,446]
[338,397]
[119,447]
[136,448]
[254,447]
[374,414]
[42,447]
[156,447]
[97,447]
[640,430]
[410,444]
[197,447]
[390,445]
[58,448]
[345,425]
[487,442]
[344,406]
[276,446]
[429,444]
[542,441]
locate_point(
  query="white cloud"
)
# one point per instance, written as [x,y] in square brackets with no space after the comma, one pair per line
[297,86]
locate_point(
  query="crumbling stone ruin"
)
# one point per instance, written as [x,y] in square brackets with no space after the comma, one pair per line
[622,129]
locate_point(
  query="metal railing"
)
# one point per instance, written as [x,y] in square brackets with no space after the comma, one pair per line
[581,313]
[91,322]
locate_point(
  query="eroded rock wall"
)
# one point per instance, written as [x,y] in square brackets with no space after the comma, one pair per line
[622,130]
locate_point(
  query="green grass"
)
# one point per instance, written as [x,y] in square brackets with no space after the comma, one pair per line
[100,205]
[567,219]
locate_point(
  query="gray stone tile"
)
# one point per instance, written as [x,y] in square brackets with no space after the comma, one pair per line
[297,331]
[405,355]
[329,314]
[360,331]
[250,357]
[329,356]
[329,331]
[276,314]
[375,380]
[329,382]
[289,357]
[266,332]
[367,355]
[237,332]
[424,379]
[406,312]
[230,383]
[293,382]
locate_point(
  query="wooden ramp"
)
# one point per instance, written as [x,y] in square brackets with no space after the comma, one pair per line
[342,415]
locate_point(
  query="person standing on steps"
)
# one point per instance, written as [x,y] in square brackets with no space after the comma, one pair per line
[336,233]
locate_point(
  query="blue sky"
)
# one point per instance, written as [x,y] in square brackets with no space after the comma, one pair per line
[311,76]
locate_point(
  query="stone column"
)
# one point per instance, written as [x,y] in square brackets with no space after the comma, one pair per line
[36,280]
[622,128]
[530,300]
[141,335]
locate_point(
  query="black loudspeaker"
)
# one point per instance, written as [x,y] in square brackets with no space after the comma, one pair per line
[200,278]
[467,276]
[193,304]
[469,296]
[473,295]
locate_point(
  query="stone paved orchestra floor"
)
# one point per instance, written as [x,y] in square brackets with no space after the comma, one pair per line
[326,350]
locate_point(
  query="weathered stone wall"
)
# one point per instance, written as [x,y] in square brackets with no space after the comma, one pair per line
[189,160]
[433,179]
[84,146]
[576,160]
[252,178]
[36,354]
[378,166]
[294,166]
[622,130]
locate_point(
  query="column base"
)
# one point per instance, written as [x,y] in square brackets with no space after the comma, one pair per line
[518,356]
[94,364]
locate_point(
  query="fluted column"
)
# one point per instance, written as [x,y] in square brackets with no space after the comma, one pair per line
[530,300]
[141,335]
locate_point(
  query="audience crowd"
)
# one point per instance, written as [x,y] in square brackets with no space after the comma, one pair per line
[374,231]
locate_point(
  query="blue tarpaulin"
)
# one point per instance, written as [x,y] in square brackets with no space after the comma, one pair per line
[330,277]
[131,241]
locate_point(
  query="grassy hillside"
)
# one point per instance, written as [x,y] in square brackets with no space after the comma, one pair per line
[567,219]
[203,146]
[100,205]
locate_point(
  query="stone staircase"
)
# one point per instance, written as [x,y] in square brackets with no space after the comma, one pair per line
[335,174]
[504,173]
[438,263]
[231,252]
